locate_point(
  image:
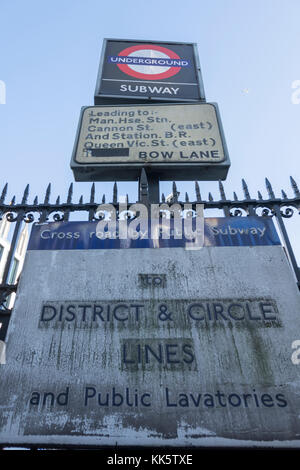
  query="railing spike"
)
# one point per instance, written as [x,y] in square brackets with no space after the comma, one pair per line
[58,201]
[92,196]
[210,198]
[269,189]
[163,198]
[13,201]
[295,187]
[245,189]
[259,195]
[103,199]
[3,194]
[70,193]
[143,187]
[222,192]
[144,179]
[81,200]
[187,197]
[175,193]
[47,194]
[235,196]
[35,202]
[126,199]
[115,193]
[284,194]
[197,190]
[25,195]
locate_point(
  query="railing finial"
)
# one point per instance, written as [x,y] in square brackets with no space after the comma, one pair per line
[222,191]
[245,189]
[269,189]
[92,195]
[115,193]
[295,187]
[70,194]
[25,195]
[3,194]
[175,193]
[144,187]
[197,190]
[47,194]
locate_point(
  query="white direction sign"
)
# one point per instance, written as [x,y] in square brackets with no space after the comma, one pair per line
[150,133]
[181,135]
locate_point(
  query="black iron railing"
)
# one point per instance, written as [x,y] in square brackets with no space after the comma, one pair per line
[24,212]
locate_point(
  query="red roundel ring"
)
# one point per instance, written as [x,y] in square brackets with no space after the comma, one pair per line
[133,73]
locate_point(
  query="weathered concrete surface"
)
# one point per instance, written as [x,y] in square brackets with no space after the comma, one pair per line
[226,379]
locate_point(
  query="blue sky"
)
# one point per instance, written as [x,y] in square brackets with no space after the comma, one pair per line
[249,54]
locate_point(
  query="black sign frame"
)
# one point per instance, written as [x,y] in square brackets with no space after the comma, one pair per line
[103,94]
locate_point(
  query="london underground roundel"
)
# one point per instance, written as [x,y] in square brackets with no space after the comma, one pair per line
[149,62]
